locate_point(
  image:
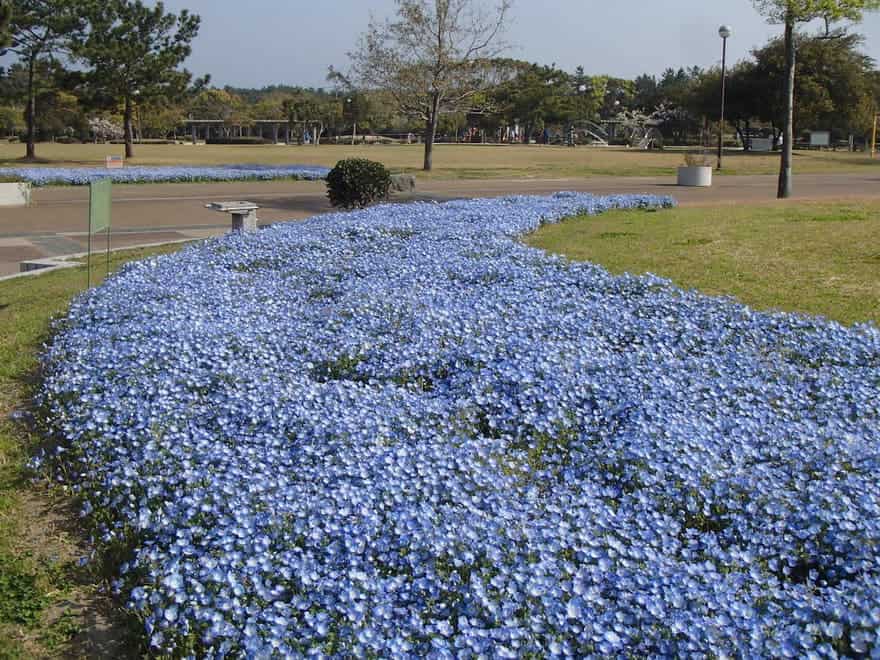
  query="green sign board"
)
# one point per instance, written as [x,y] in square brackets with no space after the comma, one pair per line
[100,194]
[99,205]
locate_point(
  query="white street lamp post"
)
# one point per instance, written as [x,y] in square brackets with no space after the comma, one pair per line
[137,109]
[582,90]
[353,122]
[724,32]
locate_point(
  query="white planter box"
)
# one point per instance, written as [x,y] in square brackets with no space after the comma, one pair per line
[15,194]
[700,176]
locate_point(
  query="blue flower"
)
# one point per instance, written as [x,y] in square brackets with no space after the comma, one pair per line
[400,432]
[79,176]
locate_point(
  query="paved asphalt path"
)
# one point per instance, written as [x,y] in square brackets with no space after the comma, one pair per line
[153,213]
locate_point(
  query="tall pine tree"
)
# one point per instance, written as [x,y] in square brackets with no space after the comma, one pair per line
[41,30]
[134,51]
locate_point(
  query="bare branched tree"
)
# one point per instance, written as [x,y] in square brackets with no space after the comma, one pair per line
[433,57]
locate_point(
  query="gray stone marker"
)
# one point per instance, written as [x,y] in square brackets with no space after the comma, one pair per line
[403,183]
[244,214]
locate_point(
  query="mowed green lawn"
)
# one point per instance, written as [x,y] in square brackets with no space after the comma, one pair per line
[450,161]
[815,258]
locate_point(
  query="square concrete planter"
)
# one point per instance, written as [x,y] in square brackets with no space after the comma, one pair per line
[699,176]
[15,194]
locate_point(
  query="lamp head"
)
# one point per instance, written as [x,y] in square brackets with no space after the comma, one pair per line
[725,31]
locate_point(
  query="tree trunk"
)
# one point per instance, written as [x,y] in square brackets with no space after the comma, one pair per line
[431,131]
[31,112]
[784,189]
[745,134]
[129,147]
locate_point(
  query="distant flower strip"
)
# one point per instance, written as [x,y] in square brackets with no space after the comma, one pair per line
[82,176]
[402,433]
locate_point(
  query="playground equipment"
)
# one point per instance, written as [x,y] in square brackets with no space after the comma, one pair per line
[651,138]
[590,131]
[639,130]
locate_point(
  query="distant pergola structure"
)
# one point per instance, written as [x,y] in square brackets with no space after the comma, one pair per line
[208,128]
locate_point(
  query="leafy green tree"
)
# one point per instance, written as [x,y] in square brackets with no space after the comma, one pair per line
[330,115]
[357,110]
[834,87]
[619,95]
[269,107]
[646,95]
[218,104]
[667,101]
[134,51]
[540,95]
[789,13]
[833,81]
[863,116]
[303,110]
[62,116]
[747,96]
[588,94]
[40,31]
[159,119]
[11,120]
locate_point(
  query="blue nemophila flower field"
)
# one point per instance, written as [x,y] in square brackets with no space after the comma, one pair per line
[400,432]
[82,176]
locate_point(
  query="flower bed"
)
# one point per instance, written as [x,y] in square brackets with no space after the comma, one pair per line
[400,432]
[81,176]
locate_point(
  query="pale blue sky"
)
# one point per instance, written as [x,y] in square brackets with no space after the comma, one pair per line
[260,42]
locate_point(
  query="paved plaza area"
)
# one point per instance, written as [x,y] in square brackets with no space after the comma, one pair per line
[55,225]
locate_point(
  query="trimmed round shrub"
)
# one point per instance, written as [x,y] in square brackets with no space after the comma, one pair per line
[357,183]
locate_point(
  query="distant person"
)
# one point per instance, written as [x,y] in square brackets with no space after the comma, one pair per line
[546,136]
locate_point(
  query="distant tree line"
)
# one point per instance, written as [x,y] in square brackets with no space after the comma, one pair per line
[83,67]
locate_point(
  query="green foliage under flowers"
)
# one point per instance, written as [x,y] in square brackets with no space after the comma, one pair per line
[46,599]
[357,183]
[21,599]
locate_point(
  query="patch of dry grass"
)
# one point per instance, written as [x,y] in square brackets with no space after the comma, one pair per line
[450,161]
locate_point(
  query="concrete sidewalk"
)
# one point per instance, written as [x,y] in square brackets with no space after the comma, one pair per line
[56,223]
